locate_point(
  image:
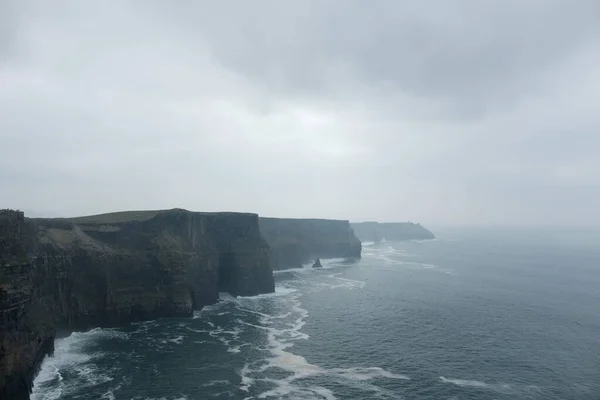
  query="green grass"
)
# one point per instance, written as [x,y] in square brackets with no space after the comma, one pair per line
[138,216]
[116,217]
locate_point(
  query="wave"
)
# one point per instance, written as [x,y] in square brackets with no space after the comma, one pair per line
[72,355]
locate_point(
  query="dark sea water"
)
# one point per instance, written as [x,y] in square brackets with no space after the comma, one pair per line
[472,315]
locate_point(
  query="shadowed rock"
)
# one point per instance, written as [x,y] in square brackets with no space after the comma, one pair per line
[317,264]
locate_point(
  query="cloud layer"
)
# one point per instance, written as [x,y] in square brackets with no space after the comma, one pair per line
[443,112]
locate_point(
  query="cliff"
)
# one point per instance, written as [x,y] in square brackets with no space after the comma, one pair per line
[294,242]
[391,231]
[25,335]
[116,268]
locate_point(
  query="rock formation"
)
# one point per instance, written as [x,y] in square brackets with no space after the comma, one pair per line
[317,263]
[391,231]
[112,269]
[294,242]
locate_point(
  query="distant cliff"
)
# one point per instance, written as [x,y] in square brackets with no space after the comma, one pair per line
[294,242]
[112,269]
[376,231]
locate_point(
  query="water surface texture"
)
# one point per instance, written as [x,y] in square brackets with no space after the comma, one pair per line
[471,315]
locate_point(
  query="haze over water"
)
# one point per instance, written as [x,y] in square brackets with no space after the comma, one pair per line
[475,314]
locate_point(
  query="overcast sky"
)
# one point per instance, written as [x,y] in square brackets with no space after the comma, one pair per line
[443,112]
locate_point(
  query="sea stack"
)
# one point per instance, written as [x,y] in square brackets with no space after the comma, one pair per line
[317,263]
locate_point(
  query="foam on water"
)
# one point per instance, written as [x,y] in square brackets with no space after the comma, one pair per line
[498,387]
[391,256]
[71,355]
[505,388]
[279,291]
[365,374]
[282,330]
[176,339]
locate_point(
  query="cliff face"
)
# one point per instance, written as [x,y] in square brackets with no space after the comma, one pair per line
[26,336]
[116,268]
[294,242]
[376,231]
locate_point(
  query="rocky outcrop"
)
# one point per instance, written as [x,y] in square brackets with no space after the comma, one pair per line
[391,231]
[294,242]
[317,263]
[116,268]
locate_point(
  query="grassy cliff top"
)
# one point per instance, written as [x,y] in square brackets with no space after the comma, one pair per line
[141,215]
[116,217]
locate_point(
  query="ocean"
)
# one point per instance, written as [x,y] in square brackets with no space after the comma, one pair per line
[474,314]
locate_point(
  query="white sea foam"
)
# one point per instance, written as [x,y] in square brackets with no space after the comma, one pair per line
[217,382]
[71,354]
[279,291]
[389,256]
[347,283]
[226,337]
[497,387]
[303,269]
[432,267]
[332,262]
[282,331]
[365,374]
[176,340]
[246,380]
[108,395]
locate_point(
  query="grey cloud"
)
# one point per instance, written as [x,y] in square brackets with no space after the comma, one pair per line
[469,53]
[453,112]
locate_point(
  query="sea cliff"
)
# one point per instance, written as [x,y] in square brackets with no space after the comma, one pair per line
[112,269]
[294,242]
[391,231]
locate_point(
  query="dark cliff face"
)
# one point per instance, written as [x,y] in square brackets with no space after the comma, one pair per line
[294,242]
[117,268]
[109,271]
[26,334]
[376,231]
